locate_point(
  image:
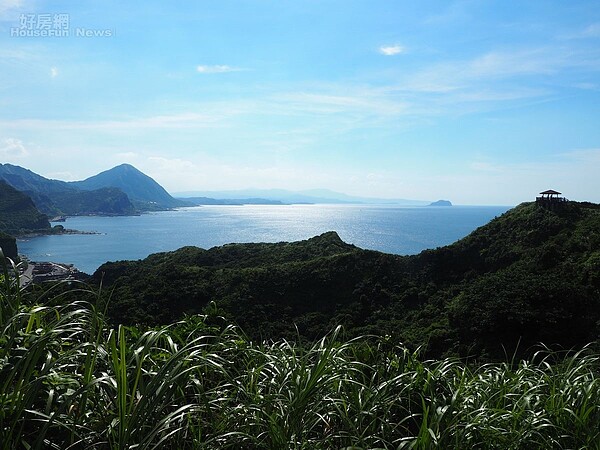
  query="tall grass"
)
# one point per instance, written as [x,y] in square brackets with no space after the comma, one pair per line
[69,380]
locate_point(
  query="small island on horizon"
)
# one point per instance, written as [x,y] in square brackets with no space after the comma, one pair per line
[441,203]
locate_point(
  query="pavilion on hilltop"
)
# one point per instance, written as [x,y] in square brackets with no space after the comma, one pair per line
[549,198]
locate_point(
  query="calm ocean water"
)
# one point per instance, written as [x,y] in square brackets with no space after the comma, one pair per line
[400,230]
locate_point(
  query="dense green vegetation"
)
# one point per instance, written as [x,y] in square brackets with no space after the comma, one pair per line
[104,201]
[70,380]
[8,244]
[18,214]
[529,276]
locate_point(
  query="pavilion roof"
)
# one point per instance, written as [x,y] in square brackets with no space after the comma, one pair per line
[550,191]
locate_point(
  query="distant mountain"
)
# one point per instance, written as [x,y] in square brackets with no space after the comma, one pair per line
[199,201]
[18,213]
[54,197]
[27,181]
[143,191]
[323,196]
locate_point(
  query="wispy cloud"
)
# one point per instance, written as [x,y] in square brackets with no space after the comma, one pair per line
[206,172]
[218,69]
[183,120]
[391,50]
[592,31]
[586,86]
[494,65]
[365,101]
[13,148]
[9,6]
[53,72]
[589,32]
[521,62]
[495,78]
[455,12]
[588,155]
[14,54]
[489,81]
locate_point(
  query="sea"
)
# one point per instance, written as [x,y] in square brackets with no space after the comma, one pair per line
[390,229]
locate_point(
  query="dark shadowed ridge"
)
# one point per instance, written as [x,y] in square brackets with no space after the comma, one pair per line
[18,213]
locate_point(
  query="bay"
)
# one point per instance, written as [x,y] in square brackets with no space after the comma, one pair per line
[399,230]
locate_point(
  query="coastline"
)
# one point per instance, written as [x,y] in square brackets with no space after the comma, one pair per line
[52,232]
[393,230]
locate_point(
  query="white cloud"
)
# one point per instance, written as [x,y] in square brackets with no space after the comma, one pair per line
[13,148]
[9,6]
[53,72]
[391,50]
[217,69]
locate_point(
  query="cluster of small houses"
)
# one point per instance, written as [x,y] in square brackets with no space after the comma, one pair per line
[39,272]
[49,271]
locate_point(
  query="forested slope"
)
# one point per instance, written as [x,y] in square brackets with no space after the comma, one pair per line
[531,275]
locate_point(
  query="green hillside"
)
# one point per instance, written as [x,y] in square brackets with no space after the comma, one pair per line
[18,214]
[531,275]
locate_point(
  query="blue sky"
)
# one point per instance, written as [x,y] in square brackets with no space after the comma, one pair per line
[481,102]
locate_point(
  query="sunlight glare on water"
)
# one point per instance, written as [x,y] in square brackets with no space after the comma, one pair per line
[400,230]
